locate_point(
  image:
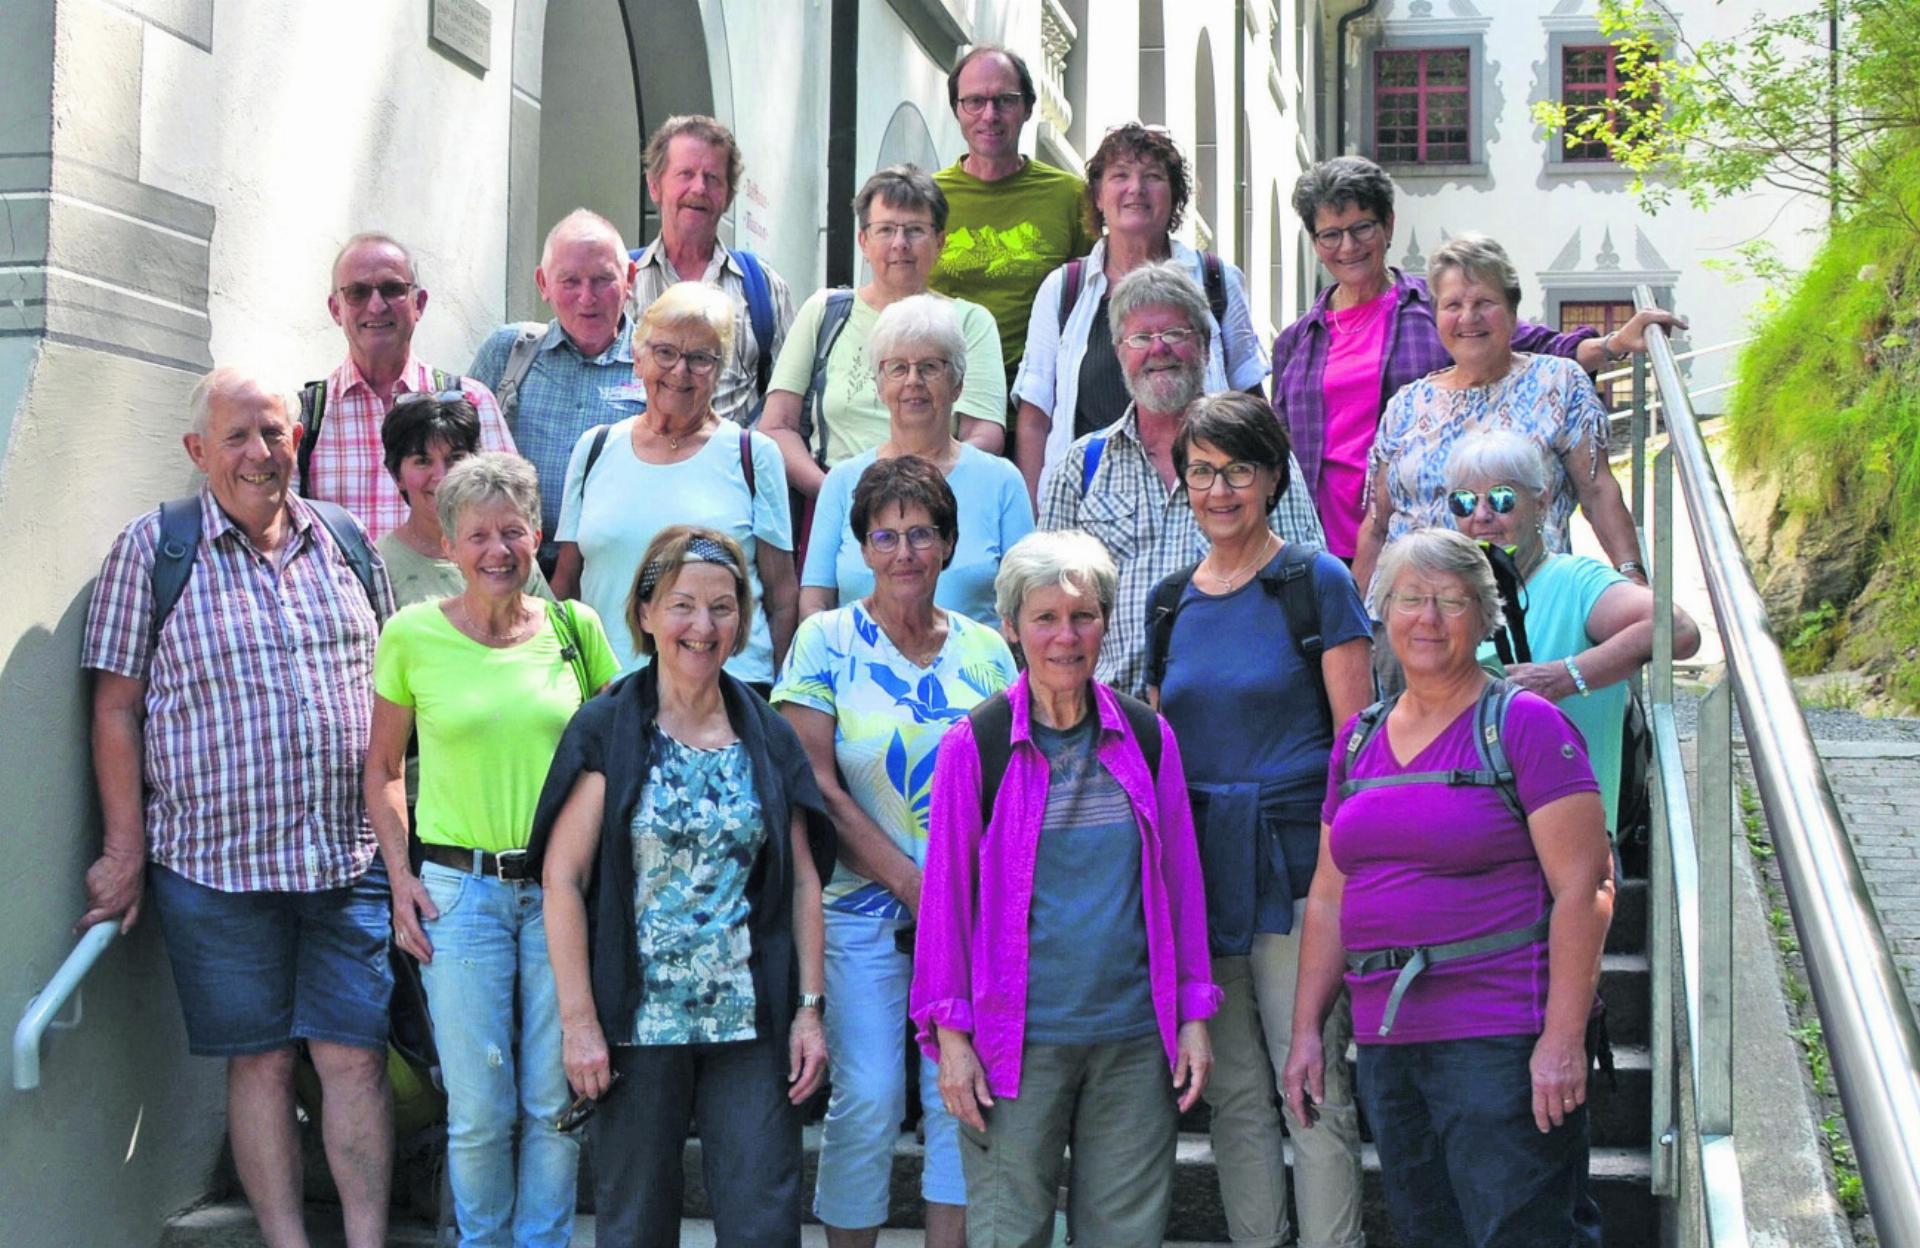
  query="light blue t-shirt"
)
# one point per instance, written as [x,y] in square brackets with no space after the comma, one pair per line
[631,501]
[994,513]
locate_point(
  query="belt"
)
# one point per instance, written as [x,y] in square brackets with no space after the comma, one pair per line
[508,865]
[1411,960]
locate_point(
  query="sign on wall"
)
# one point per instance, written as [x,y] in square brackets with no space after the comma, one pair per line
[463,29]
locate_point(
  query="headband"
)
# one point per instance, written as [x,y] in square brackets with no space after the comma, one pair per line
[699,550]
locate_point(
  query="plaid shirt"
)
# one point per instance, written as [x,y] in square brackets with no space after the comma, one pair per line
[1149,530]
[734,394]
[348,463]
[564,395]
[258,700]
[1413,350]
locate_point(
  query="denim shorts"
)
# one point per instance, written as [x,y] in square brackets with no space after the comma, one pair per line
[259,970]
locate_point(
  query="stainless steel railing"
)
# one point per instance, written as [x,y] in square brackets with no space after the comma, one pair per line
[1868,1024]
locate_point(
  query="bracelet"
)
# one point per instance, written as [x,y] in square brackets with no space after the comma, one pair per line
[1627,567]
[1579,681]
[815,1001]
[1606,345]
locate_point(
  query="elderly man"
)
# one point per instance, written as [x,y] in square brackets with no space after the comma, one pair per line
[1119,483]
[232,635]
[1013,219]
[557,380]
[693,172]
[376,300]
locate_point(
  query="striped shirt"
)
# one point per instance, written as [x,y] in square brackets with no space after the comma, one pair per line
[258,700]
[1148,529]
[735,395]
[348,463]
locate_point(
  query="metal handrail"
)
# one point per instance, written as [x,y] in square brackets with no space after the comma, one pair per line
[1866,1019]
[49,1001]
[1626,370]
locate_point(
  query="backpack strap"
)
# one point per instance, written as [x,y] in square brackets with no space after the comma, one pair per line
[1144,721]
[1292,583]
[443,380]
[352,541]
[520,357]
[1070,288]
[313,410]
[833,319]
[172,561]
[992,722]
[1163,605]
[746,464]
[1213,275]
[1489,725]
[1090,463]
[567,628]
[594,448]
[753,281]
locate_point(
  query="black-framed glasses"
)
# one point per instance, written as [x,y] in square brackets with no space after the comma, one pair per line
[357,293]
[1361,232]
[575,1115]
[928,371]
[666,355]
[438,396]
[1501,498]
[1178,337]
[1006,102]
[886,541]
[1239,474]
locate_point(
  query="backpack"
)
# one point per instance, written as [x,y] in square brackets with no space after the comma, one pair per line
[313,411]
[599,435]
[1213,274]
[759,297]
[527,338]
[1489,727]
[1291,583]
[992,722]
[833,319]
[180,537]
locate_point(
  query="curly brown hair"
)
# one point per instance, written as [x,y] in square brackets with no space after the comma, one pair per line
[1135,141]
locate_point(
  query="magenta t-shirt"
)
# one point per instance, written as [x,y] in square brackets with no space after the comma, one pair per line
[1428,864]
[1357,341]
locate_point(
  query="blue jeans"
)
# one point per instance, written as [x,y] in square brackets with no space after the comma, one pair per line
[1460,1157]
[490,969]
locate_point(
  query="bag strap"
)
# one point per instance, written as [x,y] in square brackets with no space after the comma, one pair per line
[1090,463]
[352,541]
[1213,274]
[753,281]
[1489,725]
[1145,723]
[313,410]
[992,722]
[1163,607]
[1070,288]
[594,448]
[520,357]
[1489,729]
[746,464]
[172,561]
[833,319]
[572,653]
[443,380]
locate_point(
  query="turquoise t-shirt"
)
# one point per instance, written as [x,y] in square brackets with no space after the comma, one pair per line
[994,513]
[889,716]
[1560,595]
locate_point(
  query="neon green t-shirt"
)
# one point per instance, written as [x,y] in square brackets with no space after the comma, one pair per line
[488,719]
[1004,237]
[855,417]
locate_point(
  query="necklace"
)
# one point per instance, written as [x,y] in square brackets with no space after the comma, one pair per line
[1229,580]
[673,439]
[1353,320]
[519,632]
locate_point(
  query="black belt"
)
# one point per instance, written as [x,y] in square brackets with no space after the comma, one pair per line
[508,865]
[1410,961]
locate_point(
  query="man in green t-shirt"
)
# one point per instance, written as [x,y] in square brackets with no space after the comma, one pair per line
[1012,219]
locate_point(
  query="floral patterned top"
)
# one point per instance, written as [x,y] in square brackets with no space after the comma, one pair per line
[889,716]
[1544,398]
[696,833]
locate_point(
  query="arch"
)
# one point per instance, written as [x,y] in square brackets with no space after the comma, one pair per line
[908,140]
[1153,63]
[1206,137]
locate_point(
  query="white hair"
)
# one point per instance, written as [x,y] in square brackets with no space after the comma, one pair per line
[1072,559]
[1497,455]
[919,320]
[582,223]
[227,378]
[1440,552]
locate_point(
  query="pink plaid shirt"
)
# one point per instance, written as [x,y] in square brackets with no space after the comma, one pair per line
[347,464]
[259,696]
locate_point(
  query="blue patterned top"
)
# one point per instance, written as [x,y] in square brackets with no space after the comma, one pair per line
[696,833]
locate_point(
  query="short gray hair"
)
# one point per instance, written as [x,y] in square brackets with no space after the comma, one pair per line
[373,236]
[1435,552]
[583,223]
[227,378]
[489,477]
[689,303]
[1073,559]
[1498,455]
[927,320]
[1478,259]
[1341,183]
[905,187]
[1163,285]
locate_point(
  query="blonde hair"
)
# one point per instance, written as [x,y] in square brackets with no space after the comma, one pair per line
[689,303]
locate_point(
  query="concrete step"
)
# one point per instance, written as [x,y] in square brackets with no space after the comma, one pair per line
[1629,931]
[1626,988]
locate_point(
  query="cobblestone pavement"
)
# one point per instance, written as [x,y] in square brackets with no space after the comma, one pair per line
[1877,784]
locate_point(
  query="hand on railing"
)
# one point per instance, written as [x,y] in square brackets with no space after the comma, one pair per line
[115,884]
[1631,338]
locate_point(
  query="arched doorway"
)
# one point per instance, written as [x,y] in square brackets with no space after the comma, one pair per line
[1276,255]
[1153,63]
[1206,138]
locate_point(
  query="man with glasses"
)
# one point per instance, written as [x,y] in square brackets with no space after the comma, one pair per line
[1119,484]
[376,300]
[1013,219]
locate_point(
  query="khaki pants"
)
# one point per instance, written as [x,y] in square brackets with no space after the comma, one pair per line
[1251,1036]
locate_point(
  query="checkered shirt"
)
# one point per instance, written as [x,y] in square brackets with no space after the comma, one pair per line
[1149,530]
[259,695]
[348,463]
[734,396]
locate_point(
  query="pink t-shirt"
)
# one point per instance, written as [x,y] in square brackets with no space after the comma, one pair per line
[1429,864]
[1351,386]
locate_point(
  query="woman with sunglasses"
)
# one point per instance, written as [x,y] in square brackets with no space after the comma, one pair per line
[920,362]
[1588,628]
[1372,332]
[871,687]
[1070,383]
[676,462]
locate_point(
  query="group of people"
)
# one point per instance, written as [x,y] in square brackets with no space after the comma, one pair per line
[716,699]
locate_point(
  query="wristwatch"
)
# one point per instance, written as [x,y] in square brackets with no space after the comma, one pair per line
[1629,567]
[816,1001]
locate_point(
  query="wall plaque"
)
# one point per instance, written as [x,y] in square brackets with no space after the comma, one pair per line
[462,28]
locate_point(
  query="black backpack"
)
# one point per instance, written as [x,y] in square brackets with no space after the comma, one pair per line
[1489,730]
[992,722]
[313,411]
[1291,582]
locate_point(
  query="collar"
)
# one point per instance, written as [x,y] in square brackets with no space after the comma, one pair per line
[216,523]
[1406,289]
[413,377]
[721,261]
[620,351]
[1020,700]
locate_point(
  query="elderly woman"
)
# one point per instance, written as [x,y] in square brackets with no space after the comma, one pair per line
[681,842]
[1256,799]
[870,688]
[489,677]
[1588,628]
[919,363]
[1469,918]
[823,402]
[1546,398]
[1372,332]
[1070,383]
[676,462]
[1061,965]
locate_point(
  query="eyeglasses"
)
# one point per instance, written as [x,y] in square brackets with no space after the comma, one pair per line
[926,370]
[575,1116]
[1239,474]
[438,396]
[1006,102]
[885,232]
[1174,338]
[1501,498]
[886,541]
[1361,232]
[1414,604]
[357,293]
[699,363]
